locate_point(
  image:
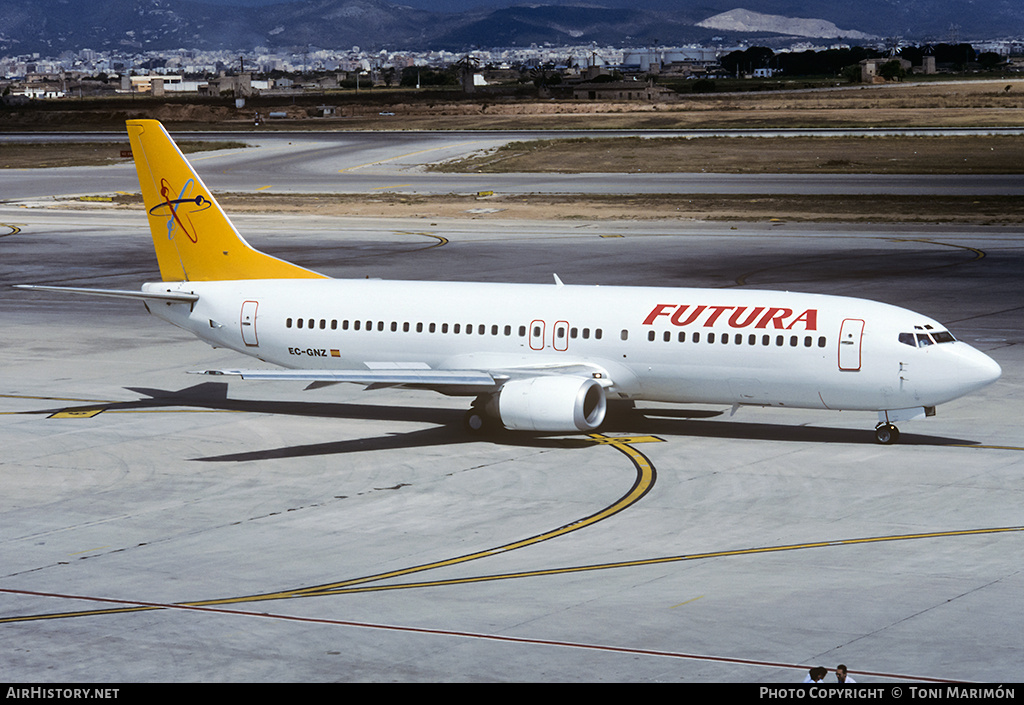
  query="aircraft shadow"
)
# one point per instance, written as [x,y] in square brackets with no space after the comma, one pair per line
[447,427]
[453,434]
[671,425]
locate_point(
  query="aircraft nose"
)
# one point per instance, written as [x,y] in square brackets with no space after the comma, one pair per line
[977,369]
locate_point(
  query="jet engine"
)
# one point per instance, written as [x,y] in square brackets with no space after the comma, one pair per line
[555,404]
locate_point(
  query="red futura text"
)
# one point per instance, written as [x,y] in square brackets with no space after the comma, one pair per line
[772,317]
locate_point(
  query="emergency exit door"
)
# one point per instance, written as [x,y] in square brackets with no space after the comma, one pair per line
[850,336]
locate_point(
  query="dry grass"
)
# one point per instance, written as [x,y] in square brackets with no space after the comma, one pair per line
[933,104]
[979,103]
[754,155]
[18,155]
[987,210]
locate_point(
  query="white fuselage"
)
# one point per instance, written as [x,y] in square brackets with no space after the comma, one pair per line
[658,344]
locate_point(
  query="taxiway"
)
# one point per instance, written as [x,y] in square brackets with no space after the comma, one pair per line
[163,527]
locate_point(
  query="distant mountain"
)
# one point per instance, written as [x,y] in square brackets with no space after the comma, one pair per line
[740,20]
[53,26]
[560,25]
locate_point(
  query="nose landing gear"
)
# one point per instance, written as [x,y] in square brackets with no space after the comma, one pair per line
[886,433]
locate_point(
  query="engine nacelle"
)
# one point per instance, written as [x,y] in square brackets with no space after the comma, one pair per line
[555,404]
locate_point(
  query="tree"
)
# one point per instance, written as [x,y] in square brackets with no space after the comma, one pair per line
[989,60]
[892,70]
[747,60]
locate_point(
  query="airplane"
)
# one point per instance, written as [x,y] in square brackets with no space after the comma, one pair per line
[543,358]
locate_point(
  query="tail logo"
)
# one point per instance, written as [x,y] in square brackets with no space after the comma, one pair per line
[171,206]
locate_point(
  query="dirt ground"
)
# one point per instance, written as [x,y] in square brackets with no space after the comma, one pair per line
[992,210]
[987,103]
[18,155]
[755,155]
[747,155]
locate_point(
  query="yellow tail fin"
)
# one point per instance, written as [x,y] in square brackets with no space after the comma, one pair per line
[193,238]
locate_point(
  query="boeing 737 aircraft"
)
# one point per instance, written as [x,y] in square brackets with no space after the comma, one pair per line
[541,358]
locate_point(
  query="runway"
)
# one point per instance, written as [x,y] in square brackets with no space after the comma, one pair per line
[366,163]
[161,527]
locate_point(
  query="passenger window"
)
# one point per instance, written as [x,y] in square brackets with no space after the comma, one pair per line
[682,336]
[334,324]
[650,335]
[624,335]
[287,323]
[821,342]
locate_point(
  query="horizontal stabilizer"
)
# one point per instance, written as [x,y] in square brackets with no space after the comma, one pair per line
[179,296]
[459,378]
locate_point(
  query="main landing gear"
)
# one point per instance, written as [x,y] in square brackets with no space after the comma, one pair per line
[886,433]
[477,421]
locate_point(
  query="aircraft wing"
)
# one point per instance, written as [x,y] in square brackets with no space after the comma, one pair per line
[476,379]
[383,377]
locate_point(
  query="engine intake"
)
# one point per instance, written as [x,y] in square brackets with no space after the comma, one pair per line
[555,404]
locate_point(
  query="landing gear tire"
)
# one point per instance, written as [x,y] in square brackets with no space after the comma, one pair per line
[887,434]
[476,422]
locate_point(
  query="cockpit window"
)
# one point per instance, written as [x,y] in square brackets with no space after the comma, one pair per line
[923,340]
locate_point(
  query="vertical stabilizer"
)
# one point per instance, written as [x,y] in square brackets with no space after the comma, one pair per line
[193,238]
